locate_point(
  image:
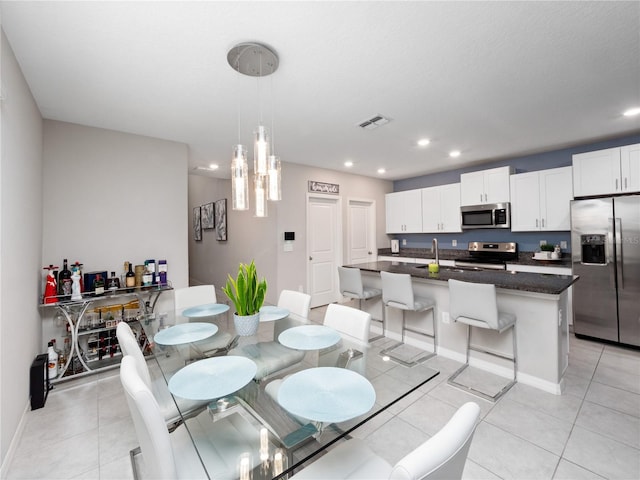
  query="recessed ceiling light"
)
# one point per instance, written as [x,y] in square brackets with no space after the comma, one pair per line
[423,142]
[214,166]
[454,153]
[631,112]
[348,163]
[382,170]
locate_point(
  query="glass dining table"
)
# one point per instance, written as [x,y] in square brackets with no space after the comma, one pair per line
[331,386]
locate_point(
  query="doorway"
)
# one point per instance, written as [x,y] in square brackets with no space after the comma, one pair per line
[324,247]
[361,228]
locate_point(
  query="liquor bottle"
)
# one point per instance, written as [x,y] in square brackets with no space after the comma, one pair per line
[52,362]
[147,275]
[60,356]
[162,270]
[130,278]
[51,287]
[98,285]
[64,281]
[114,283]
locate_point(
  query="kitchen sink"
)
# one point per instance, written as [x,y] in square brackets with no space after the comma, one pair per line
[448,269]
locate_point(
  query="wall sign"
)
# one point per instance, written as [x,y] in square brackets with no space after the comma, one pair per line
[321,187]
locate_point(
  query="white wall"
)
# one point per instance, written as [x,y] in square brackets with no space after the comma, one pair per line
[112,197]
[262,238]
[20,243]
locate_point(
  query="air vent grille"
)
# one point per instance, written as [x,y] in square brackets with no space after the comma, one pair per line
[374,122]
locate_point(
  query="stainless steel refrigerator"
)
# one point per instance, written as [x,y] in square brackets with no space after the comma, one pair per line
[605,253]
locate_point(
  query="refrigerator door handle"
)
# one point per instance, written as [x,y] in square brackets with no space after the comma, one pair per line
[619,263]
[609,252]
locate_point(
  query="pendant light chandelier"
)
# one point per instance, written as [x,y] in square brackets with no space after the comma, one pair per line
[256,60]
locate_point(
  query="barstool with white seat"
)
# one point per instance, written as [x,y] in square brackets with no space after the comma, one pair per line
[476,305]
[351,286]
[397,292]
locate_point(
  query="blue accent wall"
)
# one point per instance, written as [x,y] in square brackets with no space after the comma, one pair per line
[527,241]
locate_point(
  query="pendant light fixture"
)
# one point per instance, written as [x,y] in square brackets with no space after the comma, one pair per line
[256,60]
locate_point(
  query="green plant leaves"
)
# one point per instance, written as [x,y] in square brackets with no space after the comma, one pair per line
[246,293]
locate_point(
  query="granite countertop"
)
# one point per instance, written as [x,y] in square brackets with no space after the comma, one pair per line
[527,282]
[524,258]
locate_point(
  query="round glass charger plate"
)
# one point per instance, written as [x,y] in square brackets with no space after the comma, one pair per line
[309,337]
[327,394]
[212,377]
[207,310]
[185,333]
[270,313]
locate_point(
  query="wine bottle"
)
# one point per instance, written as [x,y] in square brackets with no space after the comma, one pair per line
[64,281]
[130,278]
[52,362]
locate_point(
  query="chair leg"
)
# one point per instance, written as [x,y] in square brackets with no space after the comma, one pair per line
[383,321]
[503,390]
[132,457]
[420,358]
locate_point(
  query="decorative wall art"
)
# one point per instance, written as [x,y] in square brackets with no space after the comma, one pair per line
[207,216]
[197,225]
[221,219]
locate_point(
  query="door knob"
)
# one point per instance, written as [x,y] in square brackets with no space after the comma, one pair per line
[310,258]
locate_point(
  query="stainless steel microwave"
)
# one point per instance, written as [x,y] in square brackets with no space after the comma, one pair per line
[494,215]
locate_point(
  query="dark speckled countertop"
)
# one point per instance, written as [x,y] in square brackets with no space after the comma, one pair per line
[527,282]
[524,258]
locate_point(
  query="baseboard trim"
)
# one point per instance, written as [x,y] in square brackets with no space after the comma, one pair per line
[13,446]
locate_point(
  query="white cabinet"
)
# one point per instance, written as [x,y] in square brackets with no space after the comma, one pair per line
[605,172]
[485,186]
[441,209]
[540,200]
[404,212]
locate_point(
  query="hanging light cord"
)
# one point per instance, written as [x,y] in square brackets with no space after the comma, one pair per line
[273,107]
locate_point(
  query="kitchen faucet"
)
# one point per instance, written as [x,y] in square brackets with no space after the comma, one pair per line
[434,246]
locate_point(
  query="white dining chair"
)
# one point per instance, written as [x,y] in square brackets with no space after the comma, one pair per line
[443,456]
[297,303]
[174,455]
[476,306]
[348,321]
[158,386]
[397,292]
[194,296]
[351,286]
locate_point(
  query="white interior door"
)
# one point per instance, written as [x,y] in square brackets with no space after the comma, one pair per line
[324,248]
[361,246]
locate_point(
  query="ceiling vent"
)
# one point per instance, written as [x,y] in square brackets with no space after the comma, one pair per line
[374,122]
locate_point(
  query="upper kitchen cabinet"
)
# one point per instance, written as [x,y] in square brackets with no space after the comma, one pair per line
[485,186]
[441,209]
[607,172]
[404,211]
[540,200]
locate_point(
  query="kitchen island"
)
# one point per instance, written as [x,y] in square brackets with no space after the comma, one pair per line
[539,301]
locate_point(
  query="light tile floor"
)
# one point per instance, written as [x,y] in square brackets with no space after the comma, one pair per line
[592,431]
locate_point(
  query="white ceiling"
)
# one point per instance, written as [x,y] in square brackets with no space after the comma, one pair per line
[492,79]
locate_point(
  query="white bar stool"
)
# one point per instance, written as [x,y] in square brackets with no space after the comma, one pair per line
[397,292]
[351,286]
[476,305]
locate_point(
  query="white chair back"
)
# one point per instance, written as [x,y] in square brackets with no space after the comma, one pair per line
[476,301]
[149,423]
[193,296]
[349,321]
[129,346]
[296,302]
[397,290]
[351,282]
[442,456]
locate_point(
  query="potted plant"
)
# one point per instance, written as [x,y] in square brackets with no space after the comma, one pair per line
[247,295]
[547,249]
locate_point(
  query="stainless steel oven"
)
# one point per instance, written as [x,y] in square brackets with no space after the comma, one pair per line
[494,215]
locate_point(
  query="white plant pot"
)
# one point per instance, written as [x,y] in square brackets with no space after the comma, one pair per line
[246,325]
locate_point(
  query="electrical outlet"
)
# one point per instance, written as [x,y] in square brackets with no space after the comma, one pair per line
[563,244]
[445,317]
[454,243]
[404,242]
[543,242]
